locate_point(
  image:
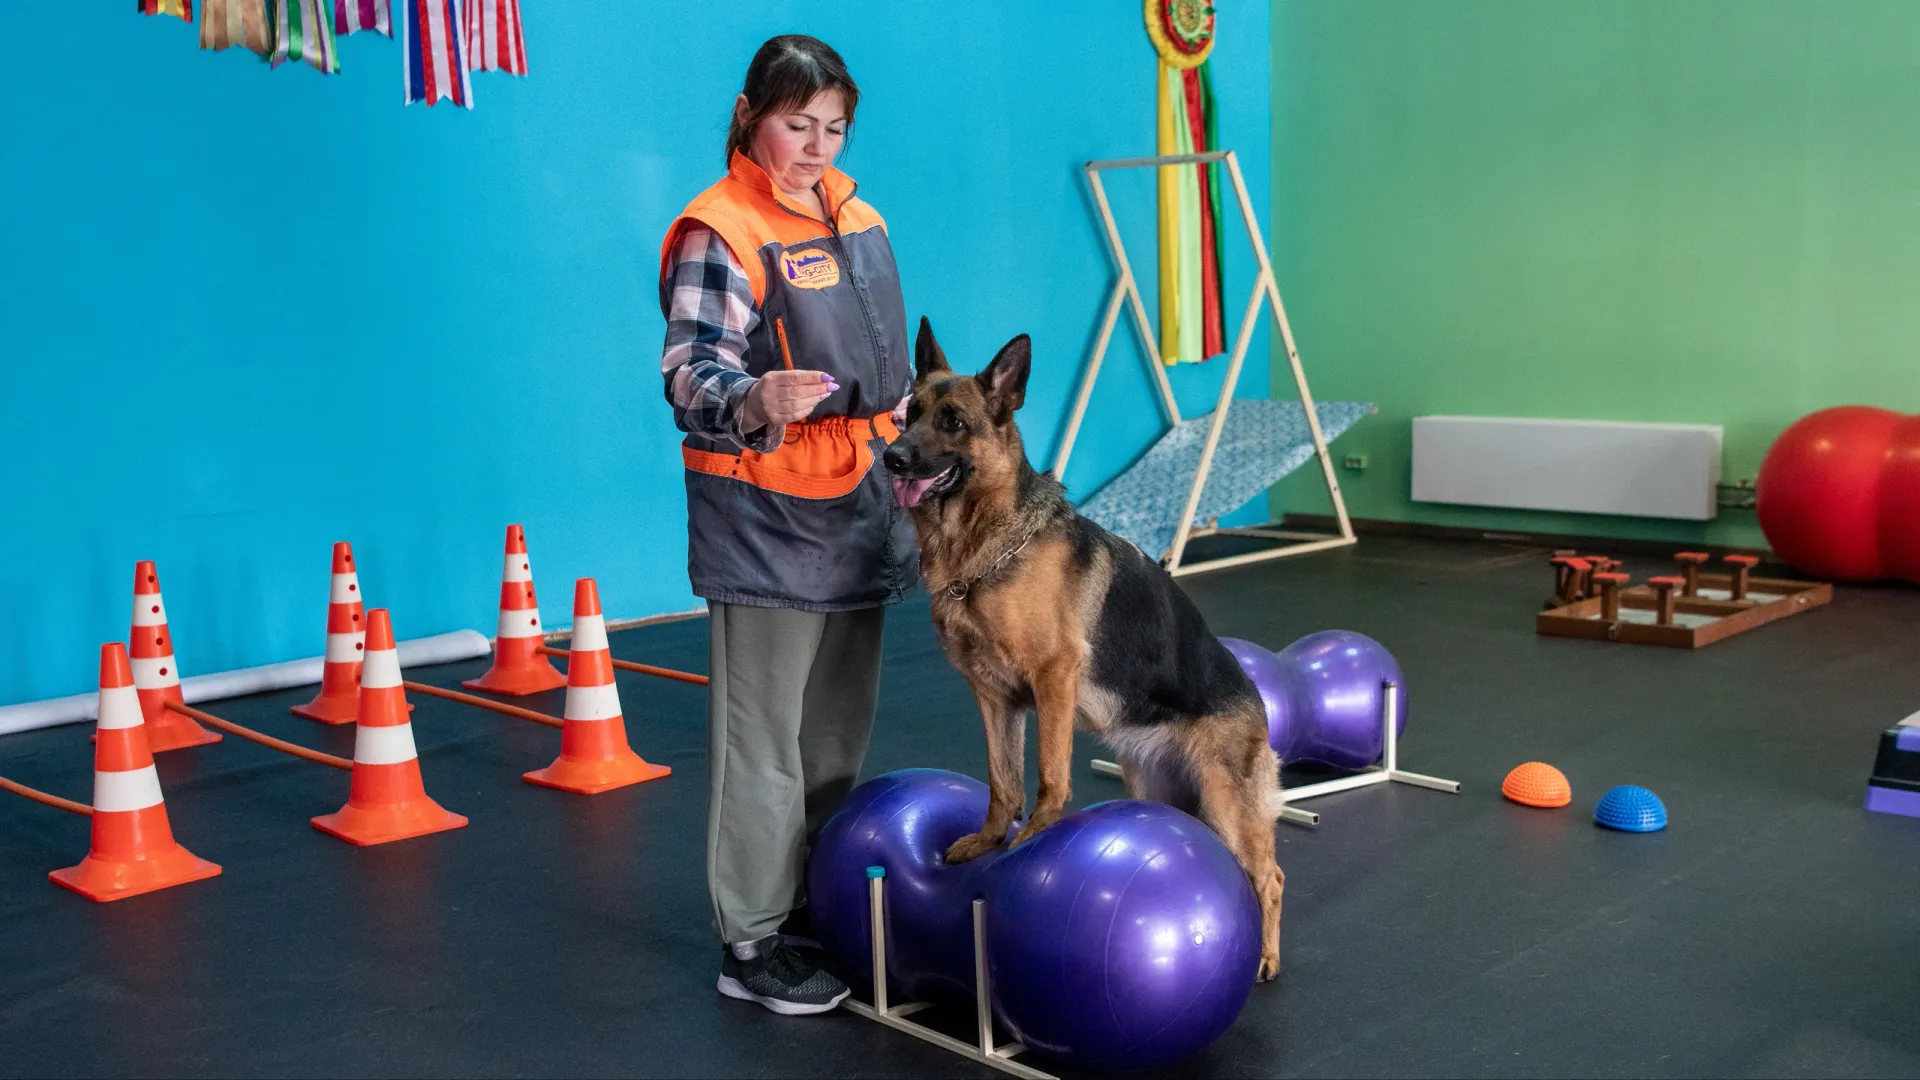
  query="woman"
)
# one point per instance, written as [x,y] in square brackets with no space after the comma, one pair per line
[786,353]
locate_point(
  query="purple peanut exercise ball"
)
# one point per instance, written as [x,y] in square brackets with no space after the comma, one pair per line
[1124,937]
[1322,695]
[903,822]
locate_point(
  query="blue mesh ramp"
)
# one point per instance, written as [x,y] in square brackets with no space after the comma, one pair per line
[1262,442]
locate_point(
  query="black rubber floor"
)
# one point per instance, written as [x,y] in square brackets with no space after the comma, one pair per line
[1772,930]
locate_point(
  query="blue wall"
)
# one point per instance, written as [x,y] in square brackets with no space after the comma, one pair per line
[251,312]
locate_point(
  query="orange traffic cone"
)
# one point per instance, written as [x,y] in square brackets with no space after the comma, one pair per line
[155,674]
[339,698]
[387,800]
[594,755]
[133,849]
[518,667]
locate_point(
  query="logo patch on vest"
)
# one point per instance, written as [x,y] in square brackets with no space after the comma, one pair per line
[810,268]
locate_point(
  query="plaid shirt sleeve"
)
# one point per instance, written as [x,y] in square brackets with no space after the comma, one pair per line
[710,311]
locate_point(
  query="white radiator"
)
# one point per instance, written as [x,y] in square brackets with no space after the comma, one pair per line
[1585,466]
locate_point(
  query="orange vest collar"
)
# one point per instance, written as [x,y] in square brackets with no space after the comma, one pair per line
[839,187]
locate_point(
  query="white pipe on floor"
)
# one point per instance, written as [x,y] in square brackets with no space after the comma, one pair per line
[419,652]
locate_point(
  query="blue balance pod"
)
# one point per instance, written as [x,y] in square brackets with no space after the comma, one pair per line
[1631,808]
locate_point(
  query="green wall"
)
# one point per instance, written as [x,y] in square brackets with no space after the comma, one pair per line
[1700,211]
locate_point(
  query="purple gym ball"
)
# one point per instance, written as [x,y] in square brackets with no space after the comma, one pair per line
[1125,936]
[1322,695]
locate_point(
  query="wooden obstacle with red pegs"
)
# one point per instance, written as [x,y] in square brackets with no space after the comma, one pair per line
[1685,611]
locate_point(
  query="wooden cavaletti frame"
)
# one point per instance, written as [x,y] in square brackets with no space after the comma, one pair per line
[1685,611]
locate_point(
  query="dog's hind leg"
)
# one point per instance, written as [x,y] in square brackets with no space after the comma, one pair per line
[1055,694]
[1236,807]
[1006,777]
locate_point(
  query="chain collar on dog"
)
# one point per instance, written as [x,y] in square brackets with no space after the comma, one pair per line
[960,587]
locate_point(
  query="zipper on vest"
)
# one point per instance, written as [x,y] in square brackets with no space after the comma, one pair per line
[780,331]
[873,343]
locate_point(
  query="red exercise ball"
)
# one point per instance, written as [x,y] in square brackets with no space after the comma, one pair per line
[1839,494]
[1900,503]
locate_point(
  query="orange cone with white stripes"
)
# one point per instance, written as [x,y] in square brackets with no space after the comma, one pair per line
[387,800]
[156,675]
[518,667]
[133,849]
[339,698]
[594,755]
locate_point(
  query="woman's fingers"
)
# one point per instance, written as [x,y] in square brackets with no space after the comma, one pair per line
[793,395]
[785,397]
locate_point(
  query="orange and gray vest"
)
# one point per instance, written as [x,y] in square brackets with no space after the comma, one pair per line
[813,524]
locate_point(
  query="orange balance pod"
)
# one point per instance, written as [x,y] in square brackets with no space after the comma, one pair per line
[594,755]
[339,698]
[387,801]
[155,674]
[133,849]
[1537,783]
[518,667]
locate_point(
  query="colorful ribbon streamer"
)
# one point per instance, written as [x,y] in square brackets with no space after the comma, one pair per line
[353,16]
[495,40]
[302,31]
[1192,317]
[245,23]
[182,8]
[432,47]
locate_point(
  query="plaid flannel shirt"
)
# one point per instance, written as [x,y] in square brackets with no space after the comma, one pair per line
[710,311]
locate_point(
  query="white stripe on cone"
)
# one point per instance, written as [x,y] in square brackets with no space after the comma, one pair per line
[119,707]
[149,610]
[345,648]
[517,568]
[156,673]
[380,670]
[134,789]
[346,589]
[589,633]
[592,703]
[383,745]
[522,623]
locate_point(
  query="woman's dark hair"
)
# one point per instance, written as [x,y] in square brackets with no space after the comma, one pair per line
[785,74]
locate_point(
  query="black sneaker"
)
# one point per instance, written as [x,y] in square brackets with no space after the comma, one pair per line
[782,978]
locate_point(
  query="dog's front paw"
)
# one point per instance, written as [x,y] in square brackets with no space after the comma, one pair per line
[1040,820]
[1269,965]
[971,847]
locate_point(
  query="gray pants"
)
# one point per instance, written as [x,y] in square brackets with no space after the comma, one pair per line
[789,709]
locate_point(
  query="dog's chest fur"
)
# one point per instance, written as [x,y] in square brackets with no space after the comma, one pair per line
[1045,611]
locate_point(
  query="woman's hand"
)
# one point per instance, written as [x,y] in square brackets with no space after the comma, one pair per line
[785,397]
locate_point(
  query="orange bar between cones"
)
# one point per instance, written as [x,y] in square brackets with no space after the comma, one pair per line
[594,755]
[132,850]
[643,669]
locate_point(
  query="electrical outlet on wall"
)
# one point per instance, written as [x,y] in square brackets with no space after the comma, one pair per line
[1354,462]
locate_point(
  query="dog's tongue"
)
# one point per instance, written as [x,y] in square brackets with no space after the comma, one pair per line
[909,492]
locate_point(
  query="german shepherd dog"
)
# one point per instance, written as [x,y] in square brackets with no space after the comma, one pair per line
[1042,609]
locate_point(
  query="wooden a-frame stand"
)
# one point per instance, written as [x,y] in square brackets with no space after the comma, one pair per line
[1125,289]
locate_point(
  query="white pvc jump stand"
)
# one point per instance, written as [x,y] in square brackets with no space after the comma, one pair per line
[1387,772]
[986,1052]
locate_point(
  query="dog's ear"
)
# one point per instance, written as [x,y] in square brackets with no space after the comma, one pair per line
[1004,381]
[928,358]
